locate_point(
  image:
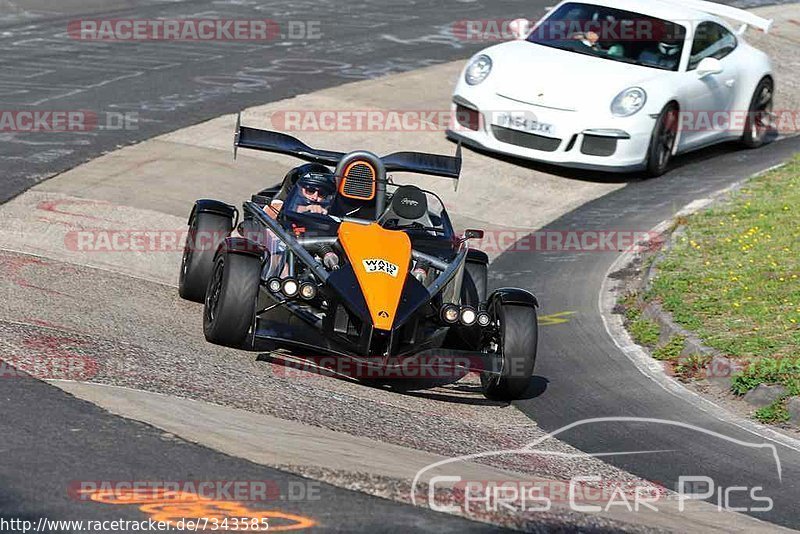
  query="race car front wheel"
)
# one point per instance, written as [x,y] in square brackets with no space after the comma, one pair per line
[759,116]
[476,281]
[473,293]
[518,336]
[206,232]
[662,142]
[231,299]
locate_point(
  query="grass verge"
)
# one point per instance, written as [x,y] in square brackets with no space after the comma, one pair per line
[733,277]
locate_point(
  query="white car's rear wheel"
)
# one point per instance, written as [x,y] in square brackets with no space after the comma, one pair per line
[759,116]
[662,142]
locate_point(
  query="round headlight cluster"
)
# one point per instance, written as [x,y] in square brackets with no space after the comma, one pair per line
[478,69]
[274,284]
[629,102]
[466,315]
[291,288]
[450,313]
[308,291]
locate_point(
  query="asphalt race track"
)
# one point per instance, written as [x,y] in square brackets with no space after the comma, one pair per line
[167,85]
[161,86]
[583,375]
[49,437]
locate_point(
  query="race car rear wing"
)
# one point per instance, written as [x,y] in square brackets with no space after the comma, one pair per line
[740,15]
[280,143]
[421,163]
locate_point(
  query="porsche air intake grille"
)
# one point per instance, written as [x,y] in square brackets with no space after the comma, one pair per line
[359,181]
[524,139]
[598,146]
[468,118]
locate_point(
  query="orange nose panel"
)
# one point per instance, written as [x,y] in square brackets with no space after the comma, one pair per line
[380,259]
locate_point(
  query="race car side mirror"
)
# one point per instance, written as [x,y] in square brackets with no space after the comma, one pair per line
[520,28]
[473,234]
[709,66]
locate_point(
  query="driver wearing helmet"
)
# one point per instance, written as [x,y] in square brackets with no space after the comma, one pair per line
[312,193]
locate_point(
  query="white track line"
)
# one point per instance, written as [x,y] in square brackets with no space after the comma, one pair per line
[650,367]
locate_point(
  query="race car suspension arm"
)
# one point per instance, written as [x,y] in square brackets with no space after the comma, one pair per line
[272,307]
[301,253]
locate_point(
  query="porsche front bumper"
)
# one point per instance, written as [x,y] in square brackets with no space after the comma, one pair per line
[576,139]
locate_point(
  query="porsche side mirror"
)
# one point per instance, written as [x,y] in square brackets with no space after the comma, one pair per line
[520,28]
[709,66]
[473,234]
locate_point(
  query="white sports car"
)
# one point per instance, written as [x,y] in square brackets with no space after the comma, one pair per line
[619,85]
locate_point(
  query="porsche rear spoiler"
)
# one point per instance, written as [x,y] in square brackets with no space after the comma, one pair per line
[280,143]
[740,15]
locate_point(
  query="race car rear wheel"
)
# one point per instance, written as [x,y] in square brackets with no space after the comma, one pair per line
[759,116]
[662,142]
[206,232]
[231,299]
[517,344]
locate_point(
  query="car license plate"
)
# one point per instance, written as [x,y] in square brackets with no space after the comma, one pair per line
[525,122]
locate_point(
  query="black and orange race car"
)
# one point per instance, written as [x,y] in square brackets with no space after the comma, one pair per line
[342,261]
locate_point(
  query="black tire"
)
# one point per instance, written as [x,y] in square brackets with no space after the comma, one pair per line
[662,142]
[473,293]
[476,279]
[756,128]
[231,299]
[519,335]
[206,232]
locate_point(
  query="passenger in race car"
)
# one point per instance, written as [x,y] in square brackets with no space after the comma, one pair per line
[313,193]
[309,188]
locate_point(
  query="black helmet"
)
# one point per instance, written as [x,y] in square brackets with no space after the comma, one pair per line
[323,182]
[312,187]
[293,176]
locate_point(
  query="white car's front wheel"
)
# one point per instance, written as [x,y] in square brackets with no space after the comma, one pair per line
[662,142]
[759,116]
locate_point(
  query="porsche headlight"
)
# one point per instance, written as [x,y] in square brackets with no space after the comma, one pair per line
[478,69]
[629,102]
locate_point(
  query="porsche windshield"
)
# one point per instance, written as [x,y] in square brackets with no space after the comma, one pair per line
[612,34]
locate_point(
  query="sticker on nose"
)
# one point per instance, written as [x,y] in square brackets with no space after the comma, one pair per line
[381,266]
